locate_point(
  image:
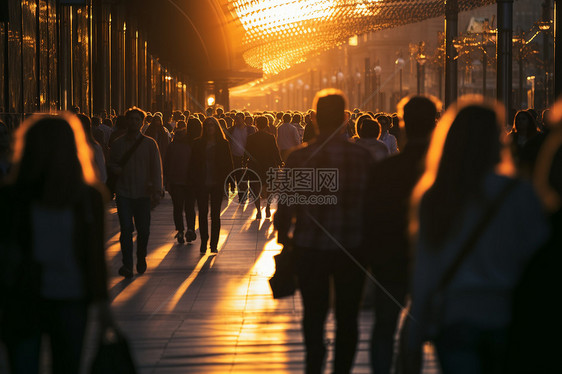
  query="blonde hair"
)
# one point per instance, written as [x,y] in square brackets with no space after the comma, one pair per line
[43,140]
[443,172]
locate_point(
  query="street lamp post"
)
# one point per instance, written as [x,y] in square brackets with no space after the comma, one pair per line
[367,87]
[300,92]
[291,96]
[484,64]
[378,71]
[358,77]
[400,65]
[504,55]
[419,52]
[545,26]
[340,76]
[451,31]
[557,48]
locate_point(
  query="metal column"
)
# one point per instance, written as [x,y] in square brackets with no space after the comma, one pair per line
[557,49]
[451,31]
[504,55]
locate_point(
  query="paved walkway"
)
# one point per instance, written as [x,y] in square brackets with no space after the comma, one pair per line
[211,314]
[214,313]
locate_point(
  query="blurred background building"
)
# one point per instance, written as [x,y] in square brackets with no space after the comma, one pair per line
[377,68]
[104,55]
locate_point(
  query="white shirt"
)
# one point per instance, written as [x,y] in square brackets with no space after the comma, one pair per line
[390,142]
[287,136]
[238,140]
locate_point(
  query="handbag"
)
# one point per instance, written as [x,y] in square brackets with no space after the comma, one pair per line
[437,300]
[113,177]
[113,355]
[283,283]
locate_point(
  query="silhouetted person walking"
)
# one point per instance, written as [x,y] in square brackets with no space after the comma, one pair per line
[140,180]
[287,136]
[179,184]
[476,231]
[51,245]
[328,238]
[393,180]
[211,164]
[237,138]
[263,154]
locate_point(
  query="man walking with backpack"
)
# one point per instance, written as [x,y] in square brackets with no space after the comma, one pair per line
[136,159]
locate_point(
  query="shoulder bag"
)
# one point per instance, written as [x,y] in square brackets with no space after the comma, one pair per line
[113,177]
[436,303]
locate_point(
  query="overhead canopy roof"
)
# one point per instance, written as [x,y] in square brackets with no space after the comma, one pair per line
[207,39]
[282,33]
[197,38]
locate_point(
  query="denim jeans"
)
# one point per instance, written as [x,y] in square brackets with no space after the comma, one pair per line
[314,269]
[183,199]
[464,348]
[133,213]
[214,196]
[386,318]
[64,322]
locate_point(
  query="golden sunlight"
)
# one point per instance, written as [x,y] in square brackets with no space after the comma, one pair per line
[280,33]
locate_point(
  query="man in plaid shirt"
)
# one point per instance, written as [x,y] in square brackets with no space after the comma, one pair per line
[328,233]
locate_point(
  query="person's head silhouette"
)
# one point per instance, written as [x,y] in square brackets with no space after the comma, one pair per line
[52,158]
[418,115]
[330,107]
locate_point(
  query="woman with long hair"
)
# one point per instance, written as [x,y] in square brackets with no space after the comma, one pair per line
[262,155]
[176,173]
[476,229]
[525,142]
[211,163]
[52,229]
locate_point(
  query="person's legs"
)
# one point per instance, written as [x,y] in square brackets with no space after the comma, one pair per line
[23,354]
[141,211]
[265,194]
[66,326]
[348,283]
[458,350]
[243,187]
[216,202]
[314,284]
[256,190]
[203,207]
[493,350]
[386,318]
[239,176]
[178,202]
[190,213]
[125,214]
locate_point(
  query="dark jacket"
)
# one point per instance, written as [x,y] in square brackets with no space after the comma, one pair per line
[223,162]
[162,137]
[177,161]
[262,152]
[19,301]
[393,180]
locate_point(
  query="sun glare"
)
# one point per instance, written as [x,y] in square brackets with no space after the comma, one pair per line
[281,33]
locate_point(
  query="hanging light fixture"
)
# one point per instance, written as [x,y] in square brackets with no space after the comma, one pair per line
[283,33]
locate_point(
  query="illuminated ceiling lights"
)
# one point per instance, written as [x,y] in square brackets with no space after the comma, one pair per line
[283,33]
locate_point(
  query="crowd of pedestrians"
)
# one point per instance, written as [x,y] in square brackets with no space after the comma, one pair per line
[450,214]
